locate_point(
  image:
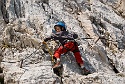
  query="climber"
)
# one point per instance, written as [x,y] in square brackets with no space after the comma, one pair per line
[68,43]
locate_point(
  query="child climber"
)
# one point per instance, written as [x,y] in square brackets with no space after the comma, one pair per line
[67,44]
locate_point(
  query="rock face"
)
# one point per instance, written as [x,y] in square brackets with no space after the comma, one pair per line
[25,23]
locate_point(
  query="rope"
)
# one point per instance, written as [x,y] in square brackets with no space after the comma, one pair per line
[49,51]
[61,82]
[4,46]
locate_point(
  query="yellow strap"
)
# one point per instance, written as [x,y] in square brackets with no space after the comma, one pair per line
[49,51]
[5,46]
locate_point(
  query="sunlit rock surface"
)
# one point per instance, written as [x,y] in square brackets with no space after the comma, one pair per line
[25,23]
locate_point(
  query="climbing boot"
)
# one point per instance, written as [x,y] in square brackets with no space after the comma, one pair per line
[58,69]
[85,71]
